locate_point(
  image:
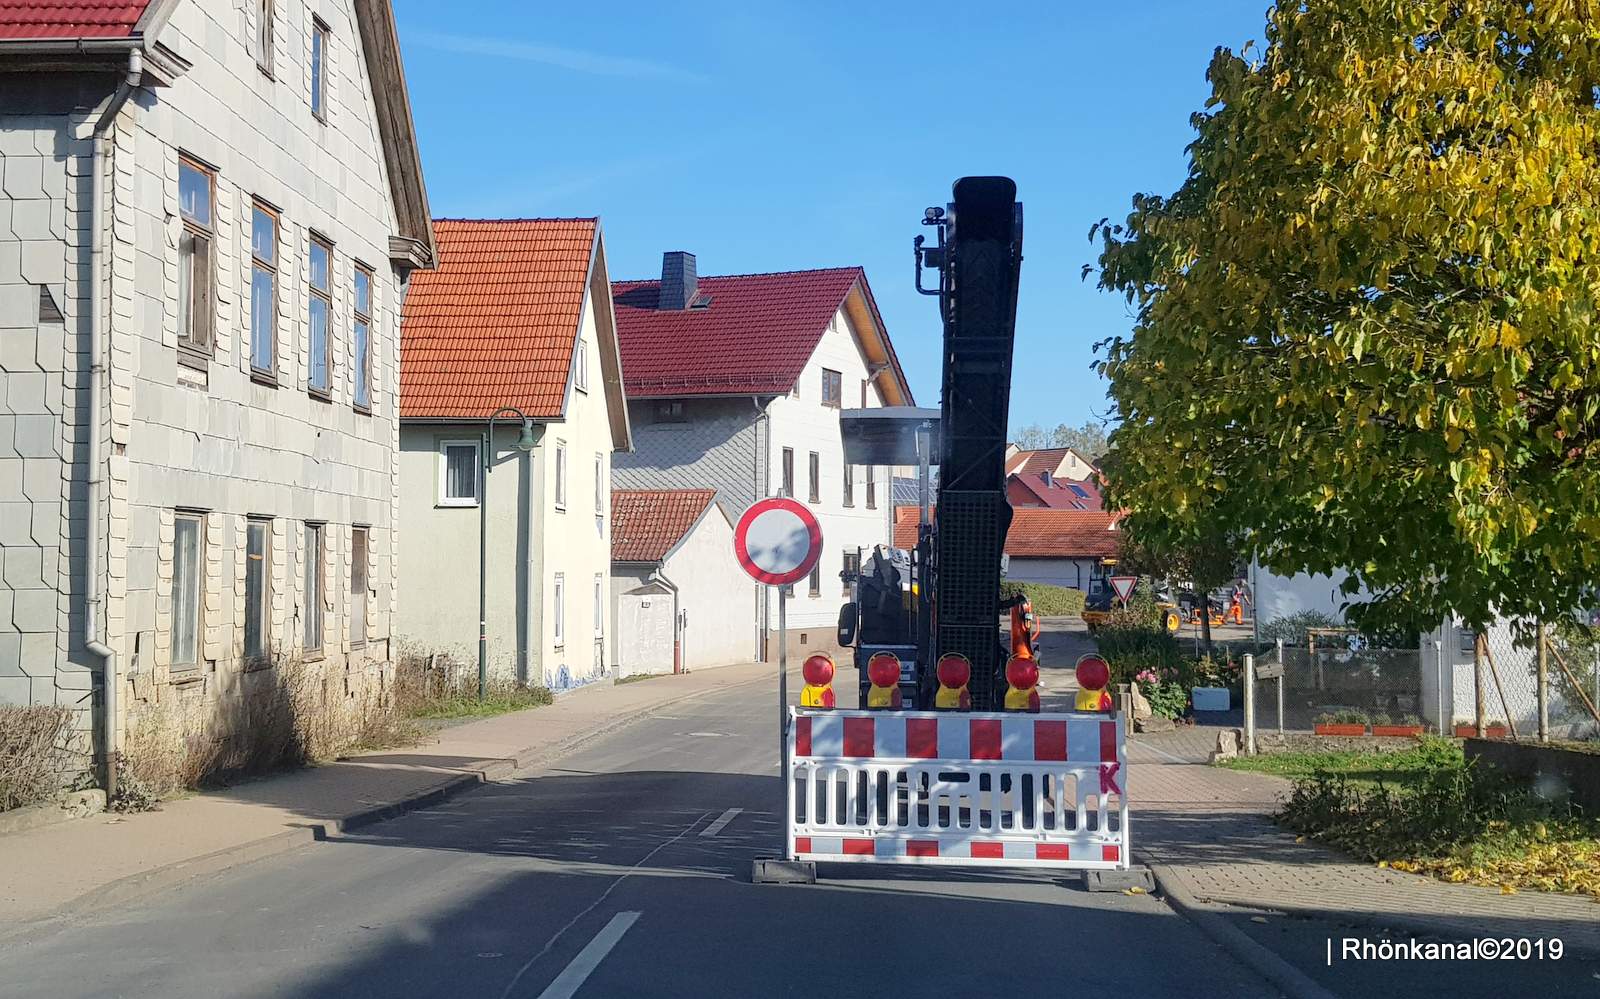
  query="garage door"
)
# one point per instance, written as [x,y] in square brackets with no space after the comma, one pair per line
[645,620]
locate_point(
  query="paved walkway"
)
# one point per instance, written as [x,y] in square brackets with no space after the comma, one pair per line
[100,859]
[1211,831]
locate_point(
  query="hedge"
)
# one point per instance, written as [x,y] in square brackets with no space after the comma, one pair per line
[1048,601]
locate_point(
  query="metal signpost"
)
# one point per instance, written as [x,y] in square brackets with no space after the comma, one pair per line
[778,542]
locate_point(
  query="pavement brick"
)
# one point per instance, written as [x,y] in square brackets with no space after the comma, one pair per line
[1212,829]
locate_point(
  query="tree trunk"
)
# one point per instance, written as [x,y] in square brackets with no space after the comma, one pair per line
[1205,624]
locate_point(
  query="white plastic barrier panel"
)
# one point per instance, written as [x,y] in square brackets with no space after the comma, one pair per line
[966,788]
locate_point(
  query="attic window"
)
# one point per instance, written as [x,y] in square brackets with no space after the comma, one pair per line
[669,411]
[49,312]
[701,302]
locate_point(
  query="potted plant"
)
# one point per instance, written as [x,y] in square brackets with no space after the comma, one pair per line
[1409,726]
[1465,730]
[1493,730]
[1348,723]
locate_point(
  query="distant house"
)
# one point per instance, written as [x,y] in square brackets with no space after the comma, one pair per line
[1057,462]
[1058,547]
[673,579]
[518,314]
[735,383]
[1044,490]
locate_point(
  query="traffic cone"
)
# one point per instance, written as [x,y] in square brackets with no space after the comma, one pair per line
[954,671]
[818,691]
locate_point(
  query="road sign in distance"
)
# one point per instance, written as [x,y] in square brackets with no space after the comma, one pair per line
[1123,585]
[777,541]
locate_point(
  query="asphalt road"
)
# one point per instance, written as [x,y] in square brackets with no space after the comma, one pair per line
[598,878]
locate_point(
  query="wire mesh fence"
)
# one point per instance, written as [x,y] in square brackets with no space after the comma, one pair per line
[1336,673]
[1522,678]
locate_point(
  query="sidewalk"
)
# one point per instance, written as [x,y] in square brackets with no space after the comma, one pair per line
[105,858]
[1208,834]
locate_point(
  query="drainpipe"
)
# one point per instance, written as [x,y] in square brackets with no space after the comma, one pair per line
[678,665]
[759,490]
[98,350]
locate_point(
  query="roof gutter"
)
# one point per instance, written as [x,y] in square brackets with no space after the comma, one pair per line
[99,340]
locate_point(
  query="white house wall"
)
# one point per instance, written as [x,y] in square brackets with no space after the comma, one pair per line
[1071,572]
[710,586]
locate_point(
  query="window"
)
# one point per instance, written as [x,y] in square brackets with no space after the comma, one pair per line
[849,484]
[361,340]
[319,69]
[816,478]
[358,585]
[864,383]
[188,566]
[264,36]
[321,306]
[459,468]
[872,487]
[788,471]
[599,485]
[815,580]
[669,410]
[795,392]
[599,606]
[561,475]
[263,290]
[559,612]
[311,571]
[580,366]
[258,591]
[832,389]
[852,569]
[196,186]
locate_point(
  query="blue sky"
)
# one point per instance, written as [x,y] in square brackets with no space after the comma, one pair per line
[765,136]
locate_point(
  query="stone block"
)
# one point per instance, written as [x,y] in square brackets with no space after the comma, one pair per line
[22,177]
[34,611]
[10,258]
[37,218]
[19,306]
[11,481]
[16,523]
[25,393]
[35,436]
[10,643]
[44,261]
[16,690]
[23,567]
[41,479]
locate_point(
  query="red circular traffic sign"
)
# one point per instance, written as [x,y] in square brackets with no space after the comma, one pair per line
[777,541]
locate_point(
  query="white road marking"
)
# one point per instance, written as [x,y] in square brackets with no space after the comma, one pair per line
[572,978]
[721,822]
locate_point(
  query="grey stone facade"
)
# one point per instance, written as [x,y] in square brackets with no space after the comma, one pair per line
[718,444]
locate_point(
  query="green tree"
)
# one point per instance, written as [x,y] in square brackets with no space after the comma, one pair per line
[1202,551]
[1372,305]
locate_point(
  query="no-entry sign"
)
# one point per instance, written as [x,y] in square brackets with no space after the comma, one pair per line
[777,541]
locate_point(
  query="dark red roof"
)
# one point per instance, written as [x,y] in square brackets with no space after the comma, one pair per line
[1032,489]
[647,523]
[753,338]
[69,18]
[494,324]
[1038,533]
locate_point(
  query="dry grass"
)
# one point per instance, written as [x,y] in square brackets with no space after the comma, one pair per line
[425,688]
[33,753]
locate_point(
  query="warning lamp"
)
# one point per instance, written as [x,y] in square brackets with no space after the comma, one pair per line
[818,670]
[1021,672]
[954,670]
[883,669]
[1092,672]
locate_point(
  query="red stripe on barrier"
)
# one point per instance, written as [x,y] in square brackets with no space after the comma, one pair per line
[922,848]
[995,851]
[858,848]
[858,739]
[1050,740]
[1111,853]
[1053,851]
[802,844]
[802,737]
[922,739]
[1108,742]
[985,738]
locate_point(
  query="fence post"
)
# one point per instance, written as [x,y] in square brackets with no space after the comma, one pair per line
[1249,704]
[1438,676]
[1479,708]
[1542,692]
[1282,669]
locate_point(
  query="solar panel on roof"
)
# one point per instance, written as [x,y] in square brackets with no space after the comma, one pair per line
[1078,491]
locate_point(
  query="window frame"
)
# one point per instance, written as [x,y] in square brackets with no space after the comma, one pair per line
[443,497]
[561,475]
[318,67]
[325,295]
[832,389]
[263,608]
[849,484]
[195,352]
[358,640]
[580,366]
[558,609]
[664,411]
[787,482]
[271,268]
[361,367]
[312,564]
[872,487]
[266,36]
[599,605]
[814,581]
[864,383]
[198,586]
[814,473]
[599,485]
[851,565]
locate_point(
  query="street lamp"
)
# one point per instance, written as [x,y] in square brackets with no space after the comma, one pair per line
[525,443]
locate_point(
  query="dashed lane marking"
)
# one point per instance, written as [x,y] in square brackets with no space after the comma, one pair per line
[721,822]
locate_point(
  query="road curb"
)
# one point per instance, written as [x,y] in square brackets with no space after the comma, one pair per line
[473,775]
[1295,983]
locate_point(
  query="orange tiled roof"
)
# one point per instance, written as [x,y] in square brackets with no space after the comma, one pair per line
[1038,532]
[647,523]
[494,324]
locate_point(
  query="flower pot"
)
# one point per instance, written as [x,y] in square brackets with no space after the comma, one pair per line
[1466,730]
[1495,732]
[1397,731]
[1339,728]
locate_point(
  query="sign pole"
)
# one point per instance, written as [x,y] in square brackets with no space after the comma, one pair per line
[783,724]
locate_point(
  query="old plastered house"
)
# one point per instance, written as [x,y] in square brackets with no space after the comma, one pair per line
[210,212]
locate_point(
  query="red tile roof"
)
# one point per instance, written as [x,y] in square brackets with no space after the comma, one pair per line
[647,523]
[1041,460]
[753,338]
[1030,489]
[1038,533]
[69,18]
[495,323]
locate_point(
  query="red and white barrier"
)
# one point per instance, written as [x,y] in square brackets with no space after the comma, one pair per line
[992,789]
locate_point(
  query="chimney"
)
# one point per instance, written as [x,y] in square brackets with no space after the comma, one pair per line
[679,285]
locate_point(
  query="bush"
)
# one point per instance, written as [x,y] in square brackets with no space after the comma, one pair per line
[1132,641]
[32,753]
[1048,601]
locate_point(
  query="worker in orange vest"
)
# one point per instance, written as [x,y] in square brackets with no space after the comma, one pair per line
[1024,626]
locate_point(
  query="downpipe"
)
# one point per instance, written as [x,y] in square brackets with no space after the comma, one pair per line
[678,650]
[98,349]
